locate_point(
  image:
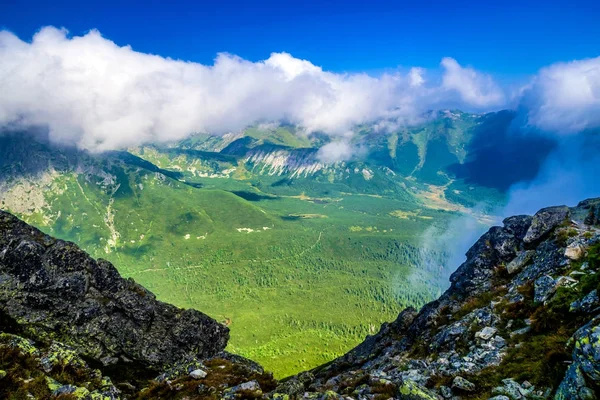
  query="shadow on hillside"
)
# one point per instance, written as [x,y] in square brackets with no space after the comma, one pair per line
[251,196]
[30,153]
[501,154]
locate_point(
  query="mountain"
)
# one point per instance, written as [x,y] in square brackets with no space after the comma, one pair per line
[255,226]
[519,321]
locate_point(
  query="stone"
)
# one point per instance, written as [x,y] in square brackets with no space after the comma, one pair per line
[510,388]
[446,392]
[566,281]
[519,261]
[577,273]
[544,221]
[586,364]
[461,383]
[109,319]
[59,357]
[544,287]
[493,248]
[498,342]
[296,385]
[233,393]
[64,389]
[252,385]
[573,386]
[198,374]
[486,333]
[584,266]
[500,397]
[575,251]
[521,331]
[587,304]
[518,225]
[411,391]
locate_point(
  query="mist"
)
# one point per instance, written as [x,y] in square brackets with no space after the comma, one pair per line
[443,248]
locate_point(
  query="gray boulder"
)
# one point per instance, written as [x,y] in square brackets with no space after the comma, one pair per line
[584,373]
[544,221]
[587,304]
[520,261]
[544,287]
[461,383]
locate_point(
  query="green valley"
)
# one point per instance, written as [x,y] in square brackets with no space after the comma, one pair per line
[300,258]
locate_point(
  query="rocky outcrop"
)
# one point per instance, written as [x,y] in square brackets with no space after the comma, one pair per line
[50,290]
[518,322]
[49,371]
[582,379]
[544,222]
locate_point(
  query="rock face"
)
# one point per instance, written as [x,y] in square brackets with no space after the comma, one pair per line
[52,290]
[545,221]
[583,376]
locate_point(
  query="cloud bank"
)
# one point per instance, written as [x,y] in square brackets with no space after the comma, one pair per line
[92,92]
[564,97]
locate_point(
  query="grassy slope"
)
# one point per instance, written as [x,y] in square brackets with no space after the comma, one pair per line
[297,294]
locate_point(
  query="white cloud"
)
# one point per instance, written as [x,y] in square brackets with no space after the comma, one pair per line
[564,97]
[475,88]
[568,175]
[91,92]
[335,151]
[416,76]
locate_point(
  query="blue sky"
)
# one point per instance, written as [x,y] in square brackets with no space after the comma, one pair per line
[508,39]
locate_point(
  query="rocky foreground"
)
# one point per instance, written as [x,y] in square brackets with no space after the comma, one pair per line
[521,320]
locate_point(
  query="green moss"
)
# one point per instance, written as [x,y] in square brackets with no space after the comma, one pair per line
[23,376]
[411,390]
[563,235]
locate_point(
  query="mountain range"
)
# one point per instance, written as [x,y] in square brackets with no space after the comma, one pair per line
[300,250]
